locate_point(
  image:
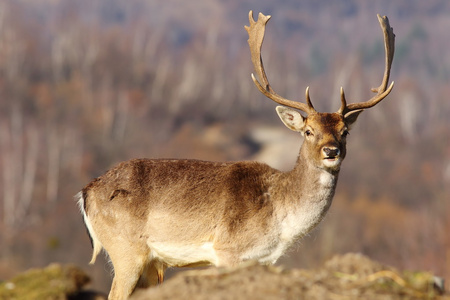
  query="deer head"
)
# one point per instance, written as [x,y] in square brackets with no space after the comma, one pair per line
[325,133]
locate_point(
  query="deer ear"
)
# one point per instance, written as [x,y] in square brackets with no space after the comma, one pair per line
[351,117]
[291,118]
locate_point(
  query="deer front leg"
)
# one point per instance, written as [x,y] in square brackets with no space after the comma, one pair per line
[227,258]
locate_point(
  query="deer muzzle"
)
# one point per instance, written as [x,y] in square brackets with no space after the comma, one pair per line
[331,152]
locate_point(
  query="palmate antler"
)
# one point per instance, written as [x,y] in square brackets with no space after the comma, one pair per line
[255,39]
[256,36]
[382,91]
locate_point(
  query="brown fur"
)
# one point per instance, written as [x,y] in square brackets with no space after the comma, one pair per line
[151,214]
[234,205]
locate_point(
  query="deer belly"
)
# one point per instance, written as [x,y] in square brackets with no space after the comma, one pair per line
[180,255]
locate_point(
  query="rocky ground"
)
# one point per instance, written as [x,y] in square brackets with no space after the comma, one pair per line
[350,276]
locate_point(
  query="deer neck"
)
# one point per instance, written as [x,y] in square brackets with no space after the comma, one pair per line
[311,183]
[307,195]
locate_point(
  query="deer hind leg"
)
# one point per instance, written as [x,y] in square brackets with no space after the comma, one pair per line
[160,269]
[129,263]
[152,275]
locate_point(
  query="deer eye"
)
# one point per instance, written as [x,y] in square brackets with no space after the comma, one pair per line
[345,133]
[308,132]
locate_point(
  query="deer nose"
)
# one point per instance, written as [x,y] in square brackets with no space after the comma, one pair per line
[331,151]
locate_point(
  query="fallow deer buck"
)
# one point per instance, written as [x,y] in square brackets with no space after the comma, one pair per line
[150,214]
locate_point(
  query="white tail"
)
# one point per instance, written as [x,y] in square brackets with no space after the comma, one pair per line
[150,214]
[96,245]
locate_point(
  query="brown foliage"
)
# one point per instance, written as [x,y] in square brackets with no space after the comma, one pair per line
[86,84]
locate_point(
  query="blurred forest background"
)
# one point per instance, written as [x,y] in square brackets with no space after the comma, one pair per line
[85,84]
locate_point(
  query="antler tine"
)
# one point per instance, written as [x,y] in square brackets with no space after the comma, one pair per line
[383,90]
[308,100]
[343,108]
[256,32]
